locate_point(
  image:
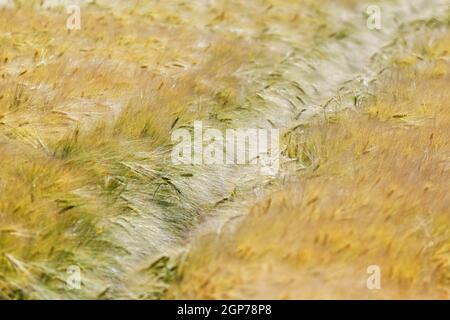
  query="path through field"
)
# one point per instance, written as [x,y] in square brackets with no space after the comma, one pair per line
[103,101]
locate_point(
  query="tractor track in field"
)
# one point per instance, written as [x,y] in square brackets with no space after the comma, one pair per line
[336,75]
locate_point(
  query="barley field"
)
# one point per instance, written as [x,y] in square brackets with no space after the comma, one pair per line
[92,205]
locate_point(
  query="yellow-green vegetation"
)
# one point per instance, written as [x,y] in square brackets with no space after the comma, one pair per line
[85,122]
[86,118]
[375,192]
